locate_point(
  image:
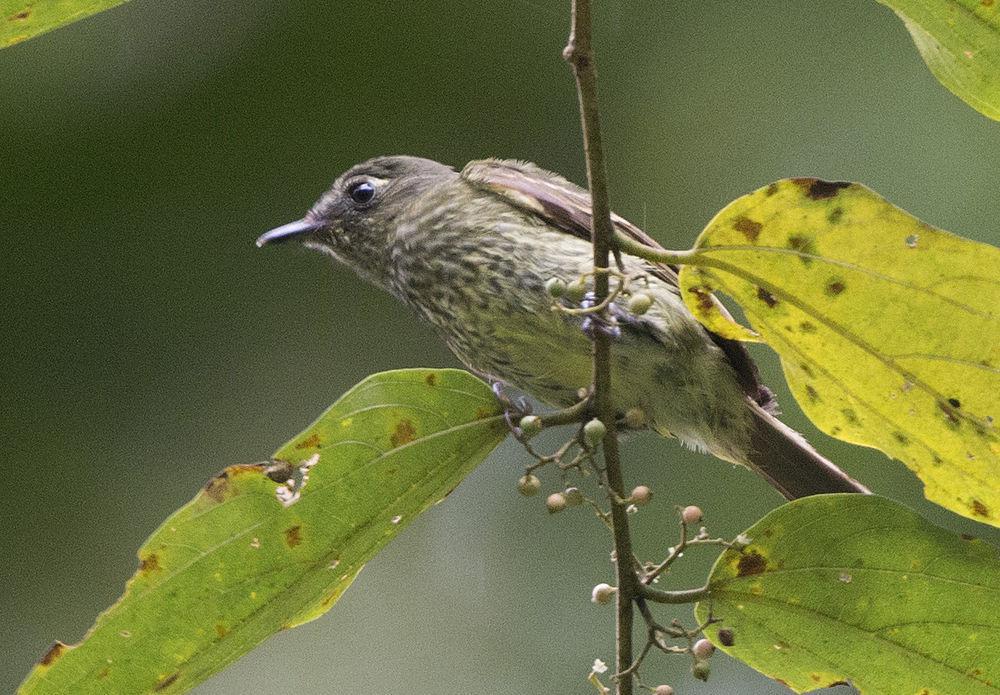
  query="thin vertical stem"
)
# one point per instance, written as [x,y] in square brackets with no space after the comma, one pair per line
[579,53]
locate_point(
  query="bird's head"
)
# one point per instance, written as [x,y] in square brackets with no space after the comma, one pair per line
[356,220]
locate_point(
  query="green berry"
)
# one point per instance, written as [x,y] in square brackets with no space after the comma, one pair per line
[575,291]
[528,485]
[530,425]
[555,287]
[701,670]
[639,303]
[635,418]
[594,432]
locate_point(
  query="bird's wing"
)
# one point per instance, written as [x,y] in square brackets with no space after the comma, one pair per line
[566,206]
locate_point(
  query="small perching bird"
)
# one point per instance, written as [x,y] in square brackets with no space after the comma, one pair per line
[472,251]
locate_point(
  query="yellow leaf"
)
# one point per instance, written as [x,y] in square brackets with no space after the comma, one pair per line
[887,327]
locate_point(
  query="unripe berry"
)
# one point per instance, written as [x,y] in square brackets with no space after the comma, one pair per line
[602,593]
[663,690]
[701,670]
[702,649]
[528,485]
[555,287]
[641,495]
[574,497]
[594,432]
[530,425]
[635,418]
[691,514]
[556,502]
[640,303]
[575,291]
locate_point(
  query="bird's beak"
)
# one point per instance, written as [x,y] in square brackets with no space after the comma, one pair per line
[287,231]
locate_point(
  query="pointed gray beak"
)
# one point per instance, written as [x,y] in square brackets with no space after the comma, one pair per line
[287,231]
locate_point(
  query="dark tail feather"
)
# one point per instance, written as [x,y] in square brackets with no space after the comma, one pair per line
[787,461]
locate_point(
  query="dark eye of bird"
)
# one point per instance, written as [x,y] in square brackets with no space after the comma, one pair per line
[361,192]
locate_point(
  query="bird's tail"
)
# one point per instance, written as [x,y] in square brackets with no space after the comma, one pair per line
[787,461]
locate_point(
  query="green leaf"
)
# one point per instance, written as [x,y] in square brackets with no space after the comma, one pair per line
[960,42]
[887,328]
[25,19]
[235,565]
[855,587]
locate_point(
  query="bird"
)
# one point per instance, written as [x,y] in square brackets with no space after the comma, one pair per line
[472,252]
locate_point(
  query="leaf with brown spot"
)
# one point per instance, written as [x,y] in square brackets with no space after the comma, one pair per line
[25,19]
[960,42]
[858,588]
[217,578]
[894,322]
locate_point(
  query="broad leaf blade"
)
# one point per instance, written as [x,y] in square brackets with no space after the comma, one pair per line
[887,328]
[234,566]
[24,19]
[858,588]
[960,42]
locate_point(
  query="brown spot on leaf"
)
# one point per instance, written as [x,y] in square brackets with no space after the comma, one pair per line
[816,677]
[967,537]
[310,442]
[149,563]
[483,412]
[901,438]
[293,536]
[431,379]
[104,673]
[949,413]
[807,327]
[835,287]
[835,215]
[748,228]
[806,369]
[804,245]
[217,486]
[167,682]
[54,652]
[703,299]
[404,433]
[954,403]
[850,416]
[812,393]
[980,509]
[986,3]
[750,564]
[221,630]
[766,297]
[818,189]
[771,190]
[20,16]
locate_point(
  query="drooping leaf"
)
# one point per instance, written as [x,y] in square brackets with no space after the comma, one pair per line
[236,565]
[960,42]
[887,328]
[858,588]
[24,19]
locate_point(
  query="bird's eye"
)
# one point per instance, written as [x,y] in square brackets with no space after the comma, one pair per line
[361,192]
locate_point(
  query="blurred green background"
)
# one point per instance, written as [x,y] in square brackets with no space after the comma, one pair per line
[147,344]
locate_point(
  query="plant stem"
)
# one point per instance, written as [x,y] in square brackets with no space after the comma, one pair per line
[580,54]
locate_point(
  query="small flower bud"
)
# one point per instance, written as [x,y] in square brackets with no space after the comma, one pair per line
[641,495]
[555,288]
[639,303]
[726,637]
[702,649]
[574,498]
[635,418]
[530,425]
[663,690]
[594,432]
[701,670]
[691,514]
[602,593]
[576,290]
[556,502]
[741,541]
[528,485]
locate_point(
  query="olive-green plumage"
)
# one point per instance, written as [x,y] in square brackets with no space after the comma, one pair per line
[471,252]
